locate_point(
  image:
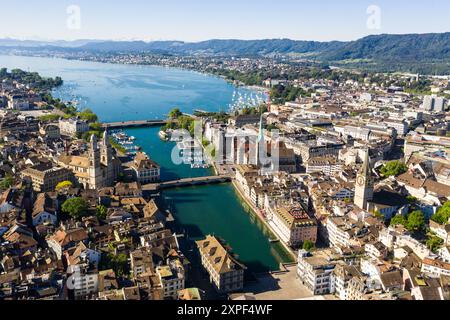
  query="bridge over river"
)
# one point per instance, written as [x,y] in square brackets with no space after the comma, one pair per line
[188,182]
[134,124]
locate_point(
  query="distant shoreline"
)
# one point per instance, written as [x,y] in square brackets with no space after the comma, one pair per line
[251,87]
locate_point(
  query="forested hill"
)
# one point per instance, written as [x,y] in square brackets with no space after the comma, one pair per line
[424,53]
[220,47]
[408,47]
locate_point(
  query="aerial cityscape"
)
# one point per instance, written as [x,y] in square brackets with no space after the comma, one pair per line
[224,166]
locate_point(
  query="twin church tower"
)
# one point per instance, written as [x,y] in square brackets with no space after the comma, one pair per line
[102,166]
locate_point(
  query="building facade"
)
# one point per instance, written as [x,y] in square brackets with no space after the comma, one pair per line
[225,272]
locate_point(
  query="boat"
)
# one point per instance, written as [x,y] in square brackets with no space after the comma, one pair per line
[163,135]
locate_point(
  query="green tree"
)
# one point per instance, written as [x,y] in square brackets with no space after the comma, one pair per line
[416,221]
[64,185]
[379,215]
[119,263]
[7,182]
[175,113]
[411,199]
[434,243]
[96,126]
[309,246]
[75,207]
[399,220]
[49,118]
[88,115]
[442,216]
[102,212]
[393,168]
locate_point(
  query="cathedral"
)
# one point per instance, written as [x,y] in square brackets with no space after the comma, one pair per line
[98,169]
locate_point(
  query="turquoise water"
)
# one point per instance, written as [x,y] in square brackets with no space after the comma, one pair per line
[129,92]
[123,92]
[213,209]
[161,151]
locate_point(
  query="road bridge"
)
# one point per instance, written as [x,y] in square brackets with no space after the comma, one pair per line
[134,124]
[187,182]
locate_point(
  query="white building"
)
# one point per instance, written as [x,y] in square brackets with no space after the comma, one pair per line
[328,166]
[172,279]
[73,127]
[376,250]
[435,267]
[340,279]
[433,103]
[444,254]
[338,234]
[418,248]
[18,103]
[356,132]
[82,281]
[401,127]
[315,271]
[146,170]
[442,231]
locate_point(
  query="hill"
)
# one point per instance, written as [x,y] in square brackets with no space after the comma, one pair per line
[423,53]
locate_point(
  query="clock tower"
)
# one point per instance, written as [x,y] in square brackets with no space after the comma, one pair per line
[364,184]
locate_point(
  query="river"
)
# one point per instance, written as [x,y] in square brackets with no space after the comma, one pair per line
[128,92]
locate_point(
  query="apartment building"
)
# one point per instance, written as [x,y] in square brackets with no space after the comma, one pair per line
[45,177]
[82,281]
[435,267]
[326,165]
[172,278]
[293,225]
[315,271]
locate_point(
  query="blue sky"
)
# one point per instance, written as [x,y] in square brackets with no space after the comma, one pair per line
[195,20]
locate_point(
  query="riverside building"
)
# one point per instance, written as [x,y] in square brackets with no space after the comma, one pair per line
[225,272]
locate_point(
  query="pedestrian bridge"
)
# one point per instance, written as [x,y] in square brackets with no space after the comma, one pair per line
[188,182]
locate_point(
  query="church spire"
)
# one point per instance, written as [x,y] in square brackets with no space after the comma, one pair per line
[365,169]
[260,143]
[106,138]
[94,144]
[261,130]
[364,184]
[106,149]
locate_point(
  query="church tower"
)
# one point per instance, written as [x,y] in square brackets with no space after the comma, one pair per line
[364,184]
[106,150]
[107,160]
[95,172]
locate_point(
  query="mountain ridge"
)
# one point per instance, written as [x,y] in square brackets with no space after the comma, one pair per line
[383,52]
